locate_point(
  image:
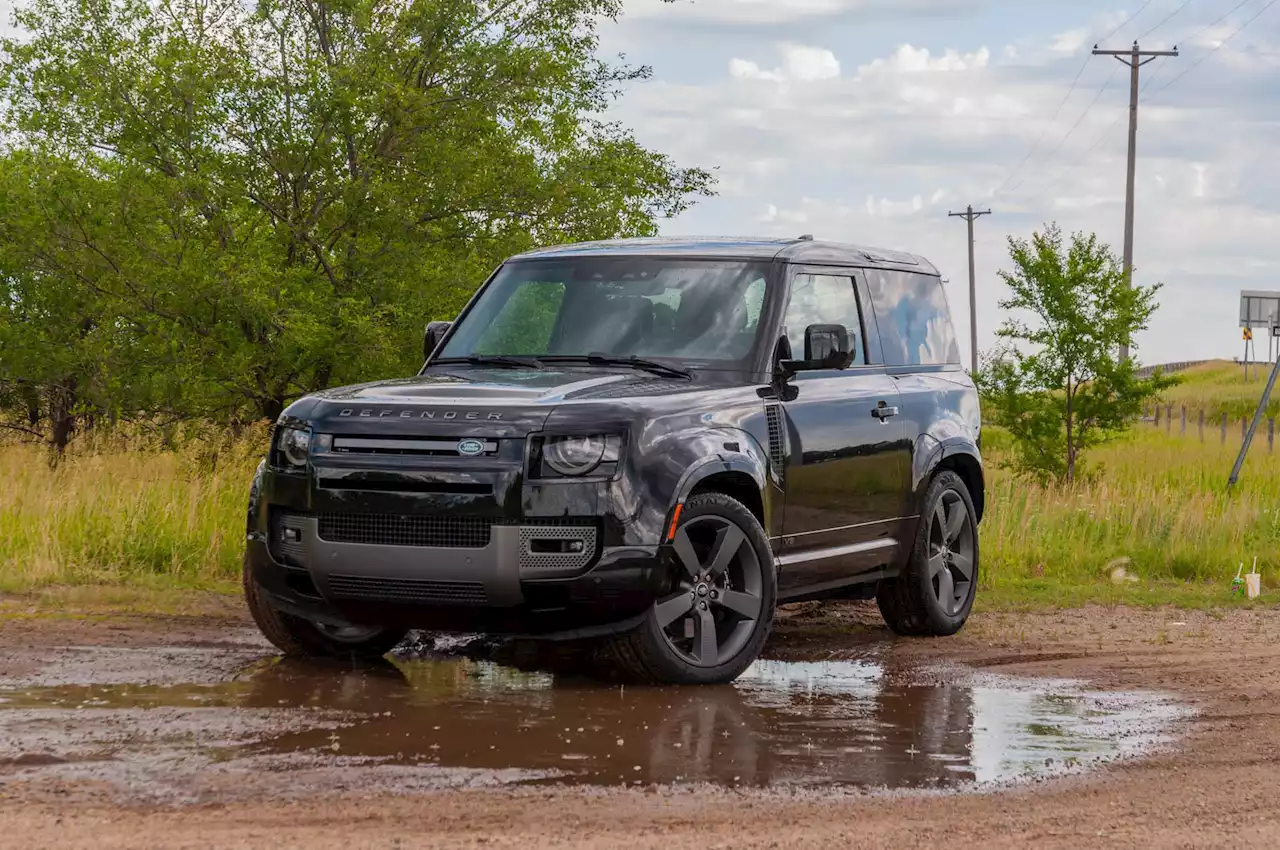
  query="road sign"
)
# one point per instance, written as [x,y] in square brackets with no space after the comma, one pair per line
[1259,309]
[1248,334]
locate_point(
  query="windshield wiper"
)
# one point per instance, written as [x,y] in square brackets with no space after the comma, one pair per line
[495,360]
[597,359]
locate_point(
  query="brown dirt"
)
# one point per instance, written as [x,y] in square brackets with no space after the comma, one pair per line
[1216,788]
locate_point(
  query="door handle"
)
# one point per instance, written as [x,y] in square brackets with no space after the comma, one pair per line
[882,412]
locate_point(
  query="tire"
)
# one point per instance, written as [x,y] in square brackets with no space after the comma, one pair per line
[297,637]
[720,538]
[945,547]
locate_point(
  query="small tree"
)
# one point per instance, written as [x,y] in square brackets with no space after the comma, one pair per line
[1056,384]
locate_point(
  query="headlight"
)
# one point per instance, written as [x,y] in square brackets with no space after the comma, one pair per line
[578,455]
[294,445]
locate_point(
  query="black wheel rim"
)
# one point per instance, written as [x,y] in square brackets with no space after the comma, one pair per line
[717,600]
[951,552]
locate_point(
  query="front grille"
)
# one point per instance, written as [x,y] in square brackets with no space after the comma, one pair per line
[407,590]
[451,532]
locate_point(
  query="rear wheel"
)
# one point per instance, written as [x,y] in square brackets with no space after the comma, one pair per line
[934,594]
[719,608]
[295,636]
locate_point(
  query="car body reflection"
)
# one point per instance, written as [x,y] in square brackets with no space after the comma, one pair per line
[848,723]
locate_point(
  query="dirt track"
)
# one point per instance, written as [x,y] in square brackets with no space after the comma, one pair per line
[1216,788]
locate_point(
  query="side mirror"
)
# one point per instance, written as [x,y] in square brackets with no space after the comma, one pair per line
[827,346]
[431,338]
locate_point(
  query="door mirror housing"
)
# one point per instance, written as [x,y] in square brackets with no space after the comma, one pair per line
[431,338]
[825,347]
[828,346]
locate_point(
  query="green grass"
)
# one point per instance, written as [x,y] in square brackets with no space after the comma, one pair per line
[1219,387]
[143,527]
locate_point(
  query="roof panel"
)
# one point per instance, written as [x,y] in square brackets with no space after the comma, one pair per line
[732,247]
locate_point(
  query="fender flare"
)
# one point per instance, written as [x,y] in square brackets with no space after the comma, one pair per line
[752,462]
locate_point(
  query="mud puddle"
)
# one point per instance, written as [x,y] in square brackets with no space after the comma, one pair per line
[287,728]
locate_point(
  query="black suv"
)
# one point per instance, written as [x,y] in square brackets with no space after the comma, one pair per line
[646,443]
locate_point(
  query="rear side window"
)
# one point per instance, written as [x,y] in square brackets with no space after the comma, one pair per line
[913,319]
[823,299]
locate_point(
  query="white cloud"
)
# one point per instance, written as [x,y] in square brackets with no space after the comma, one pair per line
[908,59]
[1068,42]
[800,63]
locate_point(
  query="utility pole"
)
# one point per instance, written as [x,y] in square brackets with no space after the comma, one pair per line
[1135,59]
[969,215]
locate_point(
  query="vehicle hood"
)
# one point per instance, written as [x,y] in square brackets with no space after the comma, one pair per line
[469,400]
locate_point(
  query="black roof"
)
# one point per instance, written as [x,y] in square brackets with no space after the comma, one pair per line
[801,250]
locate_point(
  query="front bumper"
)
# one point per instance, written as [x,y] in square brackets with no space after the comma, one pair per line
[511,585]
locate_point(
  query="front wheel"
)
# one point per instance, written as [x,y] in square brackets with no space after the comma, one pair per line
[934,594]
[295,636]
[716,615]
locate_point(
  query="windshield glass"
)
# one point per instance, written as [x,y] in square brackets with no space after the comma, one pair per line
[682,309]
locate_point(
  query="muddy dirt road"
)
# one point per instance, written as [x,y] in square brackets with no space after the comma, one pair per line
[1090,728]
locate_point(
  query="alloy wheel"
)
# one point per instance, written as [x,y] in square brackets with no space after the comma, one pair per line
[718,597]
[951,552]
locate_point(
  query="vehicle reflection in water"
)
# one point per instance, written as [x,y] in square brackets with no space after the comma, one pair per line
[781,724]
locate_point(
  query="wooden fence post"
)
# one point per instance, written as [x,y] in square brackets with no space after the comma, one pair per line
[1168,419]
[1183,427]
[1202,424]
[1224,429]
[1271,435]
[1157,416]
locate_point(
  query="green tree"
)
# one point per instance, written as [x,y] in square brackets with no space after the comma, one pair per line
[256,200]
[1056,383]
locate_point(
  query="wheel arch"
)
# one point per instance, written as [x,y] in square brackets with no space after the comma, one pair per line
[742,476]
[736,484]
[969,468]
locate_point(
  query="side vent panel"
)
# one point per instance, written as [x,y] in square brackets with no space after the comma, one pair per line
[777,446]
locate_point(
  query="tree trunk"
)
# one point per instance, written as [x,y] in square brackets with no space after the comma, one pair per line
[1071,449]
[271,408]
[62,417]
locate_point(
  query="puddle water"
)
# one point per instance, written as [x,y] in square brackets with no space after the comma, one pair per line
[859,724]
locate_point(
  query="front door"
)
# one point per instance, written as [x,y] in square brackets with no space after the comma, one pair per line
[848,463]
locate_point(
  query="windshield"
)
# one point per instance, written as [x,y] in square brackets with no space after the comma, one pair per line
[692,310]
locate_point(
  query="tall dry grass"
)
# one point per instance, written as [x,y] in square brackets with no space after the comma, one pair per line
[172,513]
[126,510]
[1158,500]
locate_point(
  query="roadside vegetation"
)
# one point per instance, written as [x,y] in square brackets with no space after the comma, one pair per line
[1220,387]
[127,514]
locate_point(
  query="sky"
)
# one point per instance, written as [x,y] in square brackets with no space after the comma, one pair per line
[867,121]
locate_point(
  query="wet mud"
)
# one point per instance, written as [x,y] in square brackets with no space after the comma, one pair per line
[235,722]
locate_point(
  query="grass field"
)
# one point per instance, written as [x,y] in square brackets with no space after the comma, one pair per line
[1220,387]
[151,521]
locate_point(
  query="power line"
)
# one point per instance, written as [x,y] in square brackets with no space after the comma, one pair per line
[1163,21]
[1216,21]
[1069,133]
[1070,90]
[1126,21]
[1043,132]
[1216,48]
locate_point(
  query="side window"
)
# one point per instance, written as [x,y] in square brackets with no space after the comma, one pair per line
[823,299]
[914,319]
